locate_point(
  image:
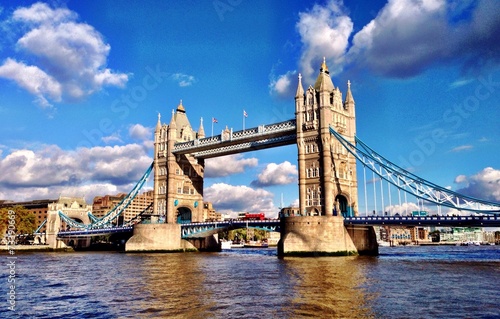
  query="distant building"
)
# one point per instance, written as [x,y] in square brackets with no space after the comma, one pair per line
[209,213]
[38,207]
[289,211]
[103,204]
[461,234]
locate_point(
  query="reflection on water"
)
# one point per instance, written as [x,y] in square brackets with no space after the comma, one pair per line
[412,282]
[328,286]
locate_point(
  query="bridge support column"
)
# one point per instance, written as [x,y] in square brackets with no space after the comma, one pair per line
[157,238]
[323,236]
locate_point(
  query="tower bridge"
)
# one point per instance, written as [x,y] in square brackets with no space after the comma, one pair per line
[324,130]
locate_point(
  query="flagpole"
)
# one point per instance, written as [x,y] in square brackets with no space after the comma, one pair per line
[243,120]
[212,126]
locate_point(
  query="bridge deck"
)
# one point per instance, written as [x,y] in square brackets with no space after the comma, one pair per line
[437,221]
[206,228]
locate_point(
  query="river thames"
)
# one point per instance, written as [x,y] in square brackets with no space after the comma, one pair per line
[403,282]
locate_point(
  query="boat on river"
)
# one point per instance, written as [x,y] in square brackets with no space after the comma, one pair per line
[226,244]
[256,244]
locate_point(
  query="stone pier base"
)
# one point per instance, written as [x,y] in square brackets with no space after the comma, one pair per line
[324,236]
[209,243]
[157,238]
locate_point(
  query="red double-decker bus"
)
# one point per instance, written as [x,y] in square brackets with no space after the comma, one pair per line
[257,216]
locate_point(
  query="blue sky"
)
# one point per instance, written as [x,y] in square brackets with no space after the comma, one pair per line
[81,84]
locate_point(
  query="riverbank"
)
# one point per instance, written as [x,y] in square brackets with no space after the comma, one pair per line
[31,248]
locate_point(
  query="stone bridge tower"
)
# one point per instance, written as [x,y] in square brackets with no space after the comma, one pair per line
[178,190]
[327,172]
[327,176]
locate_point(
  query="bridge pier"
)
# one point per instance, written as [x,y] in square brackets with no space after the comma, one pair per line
[324,236]
[157,238]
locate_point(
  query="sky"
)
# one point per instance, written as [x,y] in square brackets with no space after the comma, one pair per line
[82,83]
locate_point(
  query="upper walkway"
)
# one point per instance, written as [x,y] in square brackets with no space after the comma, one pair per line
[229,142]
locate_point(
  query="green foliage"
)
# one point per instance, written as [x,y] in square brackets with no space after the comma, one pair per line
[242,234]
[24,220]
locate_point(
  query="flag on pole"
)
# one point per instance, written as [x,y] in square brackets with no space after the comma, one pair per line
[245,114]
[214,120]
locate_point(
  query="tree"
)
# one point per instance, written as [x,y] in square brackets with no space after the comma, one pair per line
[24,220]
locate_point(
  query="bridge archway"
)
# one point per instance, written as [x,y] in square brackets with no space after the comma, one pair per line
[341,206]
[184,215]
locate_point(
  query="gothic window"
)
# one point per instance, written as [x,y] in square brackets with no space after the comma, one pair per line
[317,171]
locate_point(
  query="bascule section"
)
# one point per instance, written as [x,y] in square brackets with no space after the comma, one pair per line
[327,175]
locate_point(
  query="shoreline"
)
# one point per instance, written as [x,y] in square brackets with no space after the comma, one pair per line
[33,248]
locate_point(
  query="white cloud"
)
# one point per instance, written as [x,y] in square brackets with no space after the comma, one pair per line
[403,40]
[113,138]
[228,165]
[33,80]
[462,148]
[277,174]
[282,86]
[483,185]
[140,132]
[51,170]
[405,36]
[324,32]
[228,199]
[183,79]
[69,57]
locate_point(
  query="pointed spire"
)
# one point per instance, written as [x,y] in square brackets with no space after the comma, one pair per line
[201,130]
[300,89]
[324,82]
[158,124]
[172,120]
[180,107]
[324,68]
[348,97]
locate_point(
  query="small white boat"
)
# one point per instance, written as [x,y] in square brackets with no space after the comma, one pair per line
[226,244]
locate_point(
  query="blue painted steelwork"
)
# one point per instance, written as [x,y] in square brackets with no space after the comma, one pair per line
[40,227]
[412,184]
[438,221]
[94,232]
[195,230]
[199,230]
[107,219]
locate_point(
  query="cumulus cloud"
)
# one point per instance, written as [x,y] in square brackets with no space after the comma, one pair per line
[276,174]
[183,79]
[68,57]
[51,170]
[229,199]
[483,185]
[404,39]
[324,32]
[228,165]
[113,138]
[140,132]
[33,80]
[282,85]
